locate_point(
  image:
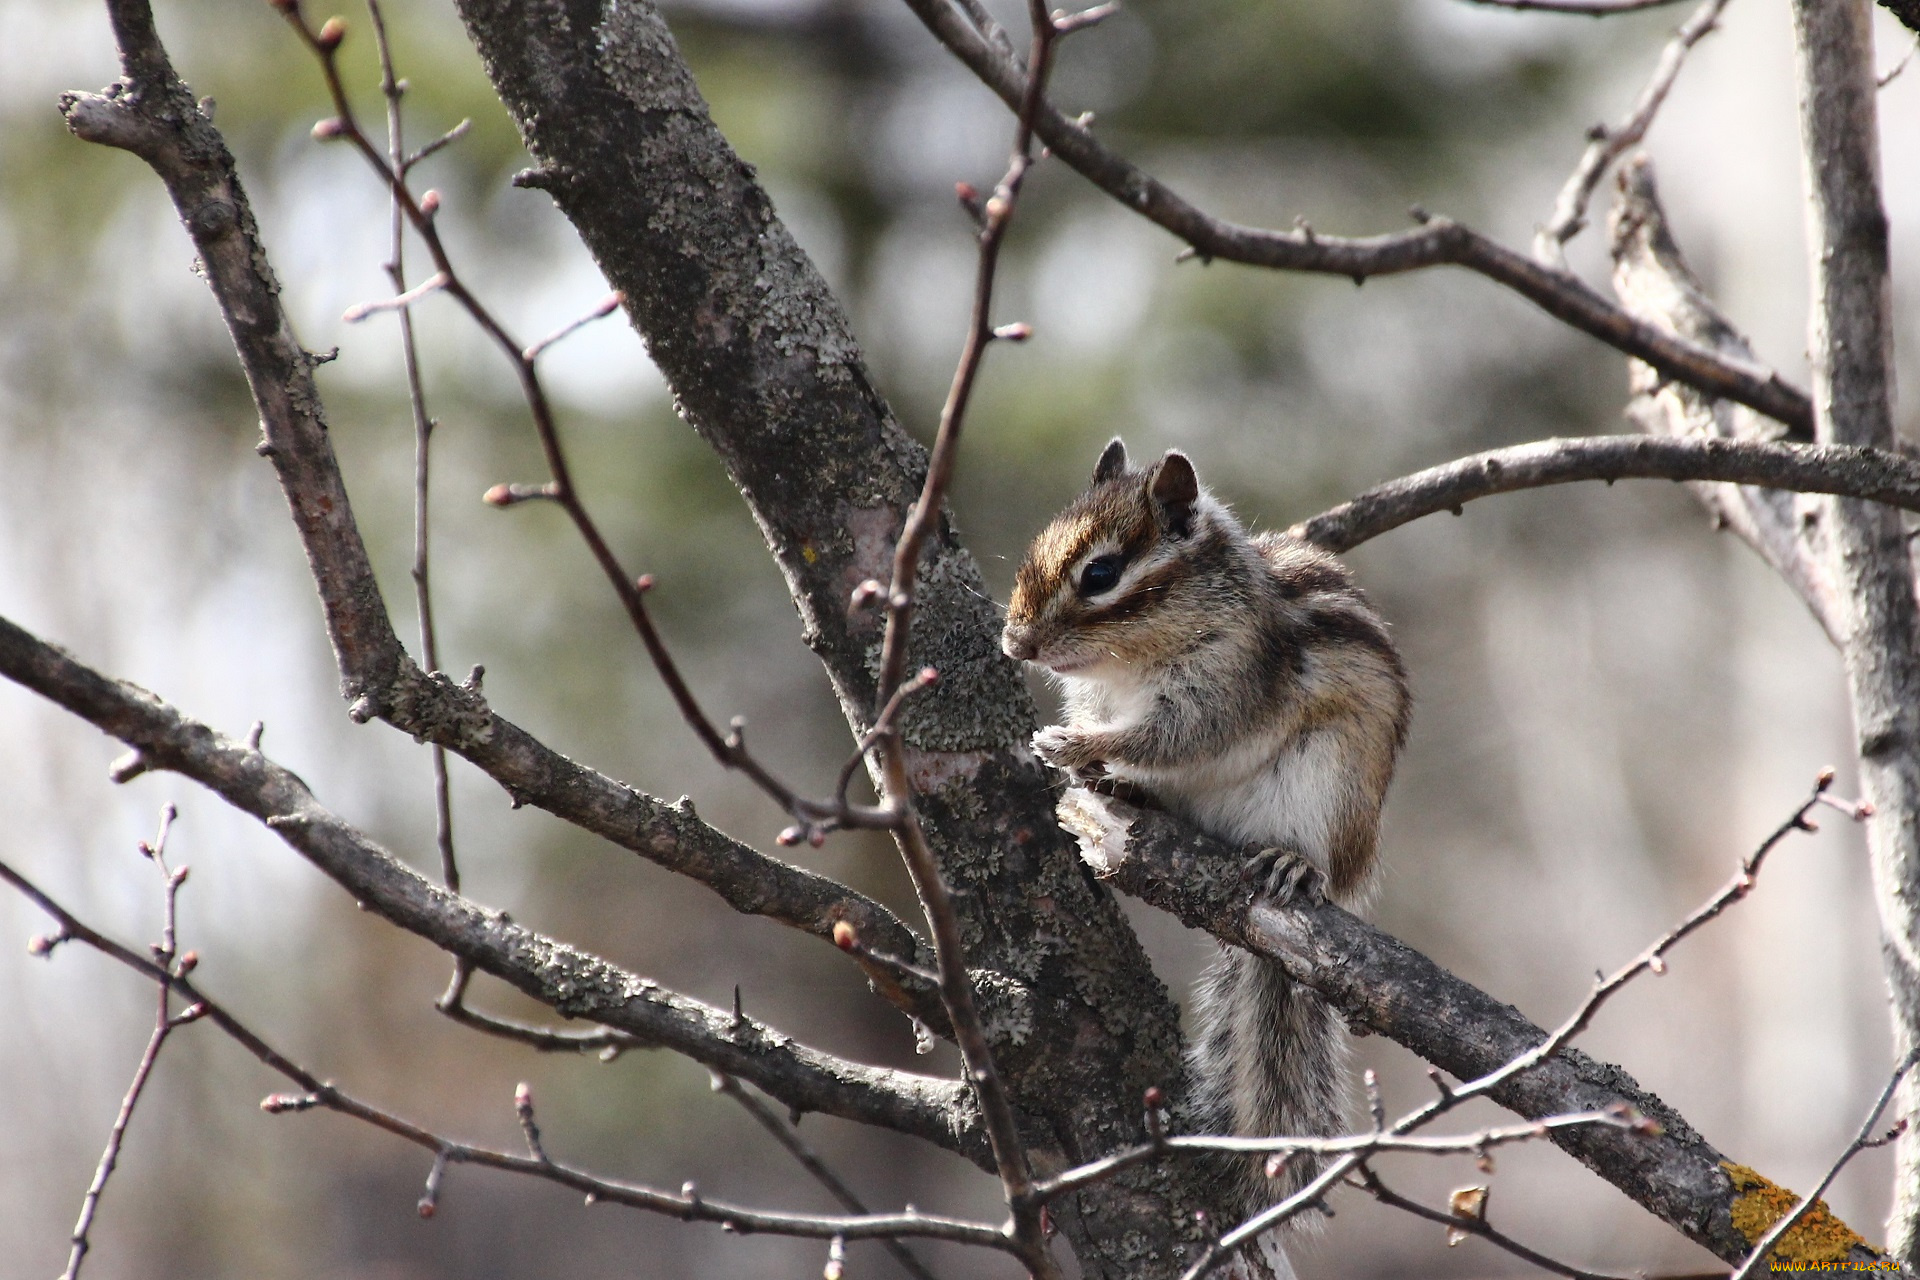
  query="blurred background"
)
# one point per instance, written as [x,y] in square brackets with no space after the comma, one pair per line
[1614,703]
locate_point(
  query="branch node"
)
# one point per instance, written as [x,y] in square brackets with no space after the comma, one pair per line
[430,1197]
[129,766]
[523,1108]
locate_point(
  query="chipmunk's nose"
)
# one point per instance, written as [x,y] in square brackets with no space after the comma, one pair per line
[1017,643]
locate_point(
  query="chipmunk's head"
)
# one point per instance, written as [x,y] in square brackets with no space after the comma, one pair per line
[1115,578]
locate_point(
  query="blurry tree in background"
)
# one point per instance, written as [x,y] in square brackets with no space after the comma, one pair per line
[1614,703]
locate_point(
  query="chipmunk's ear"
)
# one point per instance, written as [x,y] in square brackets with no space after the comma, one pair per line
[1113,461]
[1175,489]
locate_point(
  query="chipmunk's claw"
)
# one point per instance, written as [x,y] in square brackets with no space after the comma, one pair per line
[1120,789]
[1285,877]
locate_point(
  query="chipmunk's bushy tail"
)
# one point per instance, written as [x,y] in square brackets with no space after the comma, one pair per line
[1269,1058]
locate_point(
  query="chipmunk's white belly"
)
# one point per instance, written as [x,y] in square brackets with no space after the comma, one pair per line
[1287,793]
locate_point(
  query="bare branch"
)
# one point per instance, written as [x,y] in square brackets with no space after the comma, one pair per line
[1850,349]
[1439,241]
[809,1160]
[1876,474]
[393,90]
[1361,1146]
[688,1206]
[1380,983]
[1581,8]
[164,1023]
[1367,1180]
[956,986]
[1811,1202]
[570,981]
[1605,145]
[1655,283]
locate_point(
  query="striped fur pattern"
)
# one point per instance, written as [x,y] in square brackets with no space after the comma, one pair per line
[1245,683]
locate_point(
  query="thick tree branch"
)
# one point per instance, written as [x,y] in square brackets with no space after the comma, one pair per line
[1850,344]
[1390,988]
[156,118]
[569,981]
[1908,11]
[763,365]
[1439,241]
[1875,474]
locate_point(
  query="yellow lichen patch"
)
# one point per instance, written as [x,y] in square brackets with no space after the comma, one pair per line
[807,552]
[1758,1204]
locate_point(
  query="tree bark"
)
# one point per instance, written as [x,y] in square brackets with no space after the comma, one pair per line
[764,366]
[1850,342]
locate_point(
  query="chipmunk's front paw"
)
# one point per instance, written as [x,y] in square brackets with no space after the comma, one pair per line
[1064,749]
[1285,876]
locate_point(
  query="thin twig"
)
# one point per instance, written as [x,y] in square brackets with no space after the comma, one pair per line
[162,1027]
[1893,73]
[1607,144]
[393,90]
[1368,1181]
[689,1205]
[1363,1146]
[164,1023]
[1862,1141]
[956,988]
[783,1133]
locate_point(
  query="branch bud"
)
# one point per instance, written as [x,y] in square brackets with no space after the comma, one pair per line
[332,32]
[844,936]
[1017,332]
[430,204]
[329,129]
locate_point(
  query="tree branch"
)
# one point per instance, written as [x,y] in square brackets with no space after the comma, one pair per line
[1654,282]
[689,1205]
[1875,474]
[1850,343]
[1385,985]
[1606,144]
[763,364]
[1583,8]
[1439,241]
[571,982]
[157,118]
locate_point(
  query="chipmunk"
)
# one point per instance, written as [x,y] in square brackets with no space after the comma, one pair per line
[1242,682]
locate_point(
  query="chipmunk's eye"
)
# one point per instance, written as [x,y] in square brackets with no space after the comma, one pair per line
[1101,573]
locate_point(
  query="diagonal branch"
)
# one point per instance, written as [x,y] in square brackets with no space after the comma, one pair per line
[1439,241]
[1655,283]
[1605,144]
[569,981]
[1875,474]
[688,1206]
[1385,985]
